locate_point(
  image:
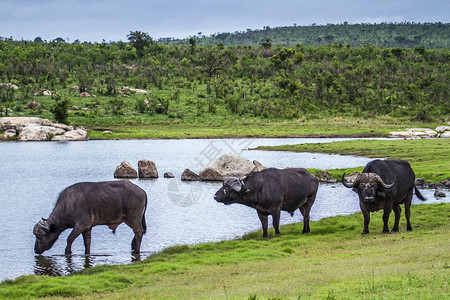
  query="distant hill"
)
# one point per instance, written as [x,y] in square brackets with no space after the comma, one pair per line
[403,35]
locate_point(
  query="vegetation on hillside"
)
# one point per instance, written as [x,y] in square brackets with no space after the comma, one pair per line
[193,83]
[402,35]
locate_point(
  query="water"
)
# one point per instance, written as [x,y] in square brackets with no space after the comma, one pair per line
[34,173]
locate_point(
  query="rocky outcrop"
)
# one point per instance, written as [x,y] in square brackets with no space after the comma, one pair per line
[440,131]
[188,175]
[37,129]
[125,170]
[147,169]
[227,165]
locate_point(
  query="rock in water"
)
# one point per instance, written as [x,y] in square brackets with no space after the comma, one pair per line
[147,169]
[188,175]
[125,170]
[227,165]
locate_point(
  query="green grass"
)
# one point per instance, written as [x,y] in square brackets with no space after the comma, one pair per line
[333,261]
[184,121]
[429,158]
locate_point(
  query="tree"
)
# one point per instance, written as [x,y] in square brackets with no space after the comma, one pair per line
[38,40]
[60,109]
[140,40]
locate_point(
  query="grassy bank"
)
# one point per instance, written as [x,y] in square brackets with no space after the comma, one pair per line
[429,158]
[214,126]
[334,261]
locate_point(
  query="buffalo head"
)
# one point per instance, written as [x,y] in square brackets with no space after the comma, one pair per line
[46,235]
[231,191]
[368,185]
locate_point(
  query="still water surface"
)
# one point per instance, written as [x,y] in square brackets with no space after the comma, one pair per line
[32,175]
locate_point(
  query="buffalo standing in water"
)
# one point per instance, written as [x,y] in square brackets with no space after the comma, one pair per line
[385,184]
[87,204]
[270,191]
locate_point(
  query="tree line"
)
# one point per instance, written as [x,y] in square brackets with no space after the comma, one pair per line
[265,81]
[402,35]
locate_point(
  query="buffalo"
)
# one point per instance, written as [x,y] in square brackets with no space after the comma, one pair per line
[270,191]
[87,204]
[385,184]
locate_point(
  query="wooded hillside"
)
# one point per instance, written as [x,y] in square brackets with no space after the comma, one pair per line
[264,81]
[403,35]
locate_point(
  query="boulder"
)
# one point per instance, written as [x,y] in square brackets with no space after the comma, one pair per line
[10,85]
[420,181]
[125,170]
[8,134]
[188,175]
[84,94]
[439,192]
[33,105]
[446,183]
[227,165]
[442,128]
[147,169]
[43,92]
[414,132]
[72,135]
[39,133]
[169,175]
[445,134]
[37,129]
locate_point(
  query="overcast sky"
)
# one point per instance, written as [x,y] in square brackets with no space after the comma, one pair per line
[112,20]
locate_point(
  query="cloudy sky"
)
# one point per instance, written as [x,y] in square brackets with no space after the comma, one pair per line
[112,20]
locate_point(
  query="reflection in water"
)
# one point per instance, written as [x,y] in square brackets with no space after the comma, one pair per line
[58,265]
[61,265]
[46,265]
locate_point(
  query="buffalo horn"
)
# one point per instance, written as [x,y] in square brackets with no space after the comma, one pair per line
[44,225]
[380,181]
[350,185]
[235,184]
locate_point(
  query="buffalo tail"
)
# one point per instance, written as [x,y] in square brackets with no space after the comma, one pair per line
[418,194]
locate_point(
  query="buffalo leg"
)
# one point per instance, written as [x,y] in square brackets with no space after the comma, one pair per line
[407,202]
[87,240]
[366,215]
[305,209]
[72,236]
[276,221]
[136,242]
[386,213]
[397,211]
[138,234]
[264,222]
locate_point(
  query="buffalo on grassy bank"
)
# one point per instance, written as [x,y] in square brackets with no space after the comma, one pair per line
[270,191]
[385,184]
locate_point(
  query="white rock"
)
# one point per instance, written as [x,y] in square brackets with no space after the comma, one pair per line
[39,133]
[227,165]
[73,135]
[443,128]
